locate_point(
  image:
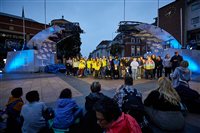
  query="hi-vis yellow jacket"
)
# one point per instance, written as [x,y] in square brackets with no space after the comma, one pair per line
[81,64]
[149,65]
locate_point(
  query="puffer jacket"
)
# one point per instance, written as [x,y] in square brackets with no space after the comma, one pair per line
[64,113]
[180,74]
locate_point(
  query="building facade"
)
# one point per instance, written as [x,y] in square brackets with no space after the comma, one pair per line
[181,19]
[12,30]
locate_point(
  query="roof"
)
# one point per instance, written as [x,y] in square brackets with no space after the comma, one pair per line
[63,20]
[17,17]
[104,42]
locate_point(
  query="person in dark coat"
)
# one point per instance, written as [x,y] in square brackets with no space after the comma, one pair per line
[164,98]
[89,120]
[176,60]
[159,66]
[13,109]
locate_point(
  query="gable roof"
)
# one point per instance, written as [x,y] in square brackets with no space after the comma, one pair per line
[17,17]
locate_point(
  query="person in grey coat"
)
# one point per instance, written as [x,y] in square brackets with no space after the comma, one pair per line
[181,75]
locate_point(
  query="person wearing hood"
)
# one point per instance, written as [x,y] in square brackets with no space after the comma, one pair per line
[67,111]
[13,109]
[181,75]
[190,97]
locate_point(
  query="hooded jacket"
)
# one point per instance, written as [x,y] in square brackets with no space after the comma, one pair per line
[64,113]
[181,74]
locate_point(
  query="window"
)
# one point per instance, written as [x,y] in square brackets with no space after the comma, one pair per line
[195,20]
[195,7]
[133,40]
[133,51]
[11,28]
[138,50]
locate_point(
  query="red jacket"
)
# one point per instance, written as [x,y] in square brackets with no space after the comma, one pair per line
[124,124]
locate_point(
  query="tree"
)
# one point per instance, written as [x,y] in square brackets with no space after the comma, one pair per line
[69,47]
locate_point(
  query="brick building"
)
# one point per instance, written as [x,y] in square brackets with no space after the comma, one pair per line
[181,19]
[11,32]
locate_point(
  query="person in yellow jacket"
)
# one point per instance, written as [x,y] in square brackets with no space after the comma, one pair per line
[89,65]
[149,65]
[81,67]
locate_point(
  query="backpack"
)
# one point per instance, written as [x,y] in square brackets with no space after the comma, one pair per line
[132,104]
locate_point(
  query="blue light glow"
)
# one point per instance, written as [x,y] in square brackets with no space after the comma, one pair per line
[51,29]
[193,66]
[175,44]
[19,60]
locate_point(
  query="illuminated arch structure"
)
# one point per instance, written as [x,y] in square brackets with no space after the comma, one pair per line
[41,53]
[190,55]
[159,41]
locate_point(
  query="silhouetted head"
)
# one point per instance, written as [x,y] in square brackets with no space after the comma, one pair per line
[184,64]
[95,87]
[17,92]
[32,96]
[66,93]
[107,111]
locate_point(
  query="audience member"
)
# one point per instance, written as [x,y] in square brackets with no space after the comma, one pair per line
[32,113]
[190,98]
[110,118]
[89,120]
[13,109]
[129,100]
[181,75]
[120,92]
[165,106]
[66,111]
[94,96]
